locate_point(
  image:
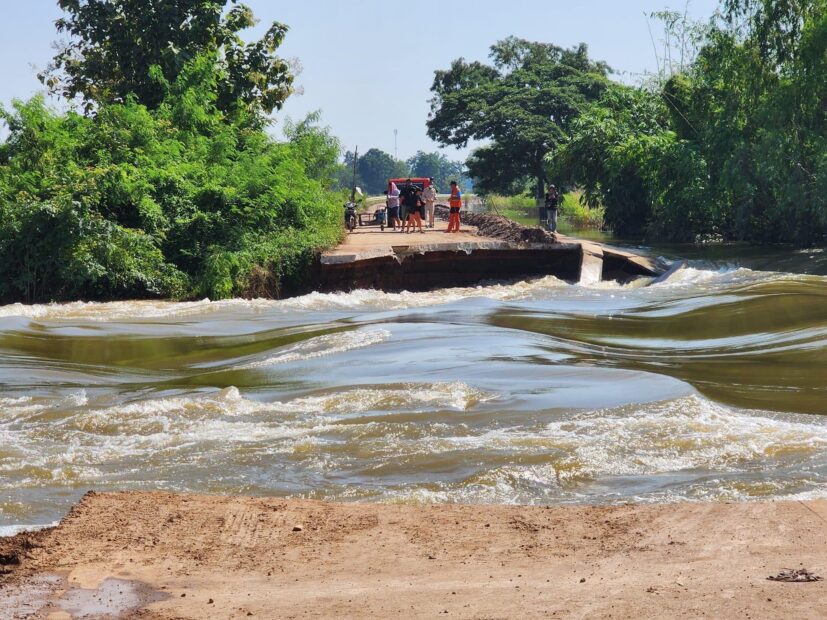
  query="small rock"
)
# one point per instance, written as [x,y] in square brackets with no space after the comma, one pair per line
[210,602]
[298,528]
[795,576]
[582,580]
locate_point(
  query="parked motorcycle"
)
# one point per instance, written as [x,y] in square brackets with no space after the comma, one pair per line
[350,216]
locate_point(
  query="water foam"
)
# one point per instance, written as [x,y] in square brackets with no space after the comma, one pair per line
[320,346]
[687,449]
[132,310]
[403,397]
[13,530]
[683,434]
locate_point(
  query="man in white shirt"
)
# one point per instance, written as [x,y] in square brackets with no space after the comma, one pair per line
[429,198]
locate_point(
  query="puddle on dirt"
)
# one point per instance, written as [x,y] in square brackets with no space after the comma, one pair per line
[46,594]
[24,600]
[111,599]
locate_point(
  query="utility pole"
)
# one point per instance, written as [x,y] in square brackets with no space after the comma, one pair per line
[353,188]
[395,144]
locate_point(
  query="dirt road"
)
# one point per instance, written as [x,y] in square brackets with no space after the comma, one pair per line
[158,555]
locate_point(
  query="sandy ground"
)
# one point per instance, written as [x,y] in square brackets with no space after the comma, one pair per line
[158,555]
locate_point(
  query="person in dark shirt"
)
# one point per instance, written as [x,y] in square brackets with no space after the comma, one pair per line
[414,207]
[406,189]
[552,204]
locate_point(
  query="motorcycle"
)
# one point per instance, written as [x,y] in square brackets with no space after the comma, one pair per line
[350,216]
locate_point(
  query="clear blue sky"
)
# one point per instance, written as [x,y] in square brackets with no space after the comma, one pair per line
[368,64]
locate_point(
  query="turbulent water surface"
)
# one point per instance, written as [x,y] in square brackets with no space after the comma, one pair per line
[712,385]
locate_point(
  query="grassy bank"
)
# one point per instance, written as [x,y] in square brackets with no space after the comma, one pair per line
[523,209]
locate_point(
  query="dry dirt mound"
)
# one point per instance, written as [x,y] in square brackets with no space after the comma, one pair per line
[499,227]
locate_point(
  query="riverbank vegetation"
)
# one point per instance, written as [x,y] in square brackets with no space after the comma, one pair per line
[522,104]
[729,145]
[167,183]
[727,142]
[574,212]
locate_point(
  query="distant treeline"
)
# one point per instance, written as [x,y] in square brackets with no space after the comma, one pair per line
[375,167]
[728,141]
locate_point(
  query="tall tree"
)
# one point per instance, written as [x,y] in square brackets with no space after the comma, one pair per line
[375,167]
[436,166]
[523,103]
[122,48]
[731,147]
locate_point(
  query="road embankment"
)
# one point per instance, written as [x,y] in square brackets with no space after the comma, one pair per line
[489,248]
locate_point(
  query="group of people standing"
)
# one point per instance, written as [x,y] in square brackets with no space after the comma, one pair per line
[409,206]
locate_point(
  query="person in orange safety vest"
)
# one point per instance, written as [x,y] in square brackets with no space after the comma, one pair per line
[454,204]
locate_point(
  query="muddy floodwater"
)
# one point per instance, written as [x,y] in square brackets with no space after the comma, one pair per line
[710,386]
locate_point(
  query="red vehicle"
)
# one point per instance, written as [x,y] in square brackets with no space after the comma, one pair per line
[419,182]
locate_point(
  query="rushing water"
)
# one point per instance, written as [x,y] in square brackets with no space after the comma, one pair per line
[711,385]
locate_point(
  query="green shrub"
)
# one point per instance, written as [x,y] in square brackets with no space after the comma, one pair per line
[523,209]
[175,202]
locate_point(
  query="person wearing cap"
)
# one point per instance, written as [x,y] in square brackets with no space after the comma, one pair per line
[429,198]
[552,205]
[454,206]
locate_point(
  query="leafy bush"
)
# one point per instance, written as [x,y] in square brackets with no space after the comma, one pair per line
[178,201]
[523,208]
[732,147]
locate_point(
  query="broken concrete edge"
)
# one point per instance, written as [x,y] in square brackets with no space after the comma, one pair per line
[534,237]
[591,264]
[501,241]
[402,251]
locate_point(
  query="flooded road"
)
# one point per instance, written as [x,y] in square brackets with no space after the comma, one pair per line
[710,386]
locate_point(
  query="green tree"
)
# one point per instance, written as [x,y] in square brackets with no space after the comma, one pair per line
[318,148]
[375,167]
[122,48]
[176,201]
[626,157]
[732,146]
[523,104]
[436,166]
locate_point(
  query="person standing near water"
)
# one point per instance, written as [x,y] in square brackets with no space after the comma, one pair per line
[552,204]
[414,208]
[393,206]
[454,207]
[406,191]
[429,197]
